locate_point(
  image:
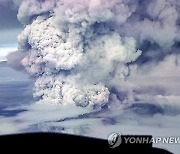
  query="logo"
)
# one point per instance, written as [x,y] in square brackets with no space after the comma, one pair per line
[114,140]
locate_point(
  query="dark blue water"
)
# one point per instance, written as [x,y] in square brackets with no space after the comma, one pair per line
[15,89]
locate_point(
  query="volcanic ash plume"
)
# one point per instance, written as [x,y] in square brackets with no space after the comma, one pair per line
[74,49]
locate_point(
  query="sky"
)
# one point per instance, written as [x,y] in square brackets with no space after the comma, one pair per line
[10,27]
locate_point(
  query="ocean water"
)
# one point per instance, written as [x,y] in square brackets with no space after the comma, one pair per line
[20,114]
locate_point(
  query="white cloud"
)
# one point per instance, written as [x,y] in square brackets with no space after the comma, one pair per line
[4,51]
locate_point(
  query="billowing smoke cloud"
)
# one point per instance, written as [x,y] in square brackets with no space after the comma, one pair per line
[14,60]
[155,25]
[75,50]
[81,50]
